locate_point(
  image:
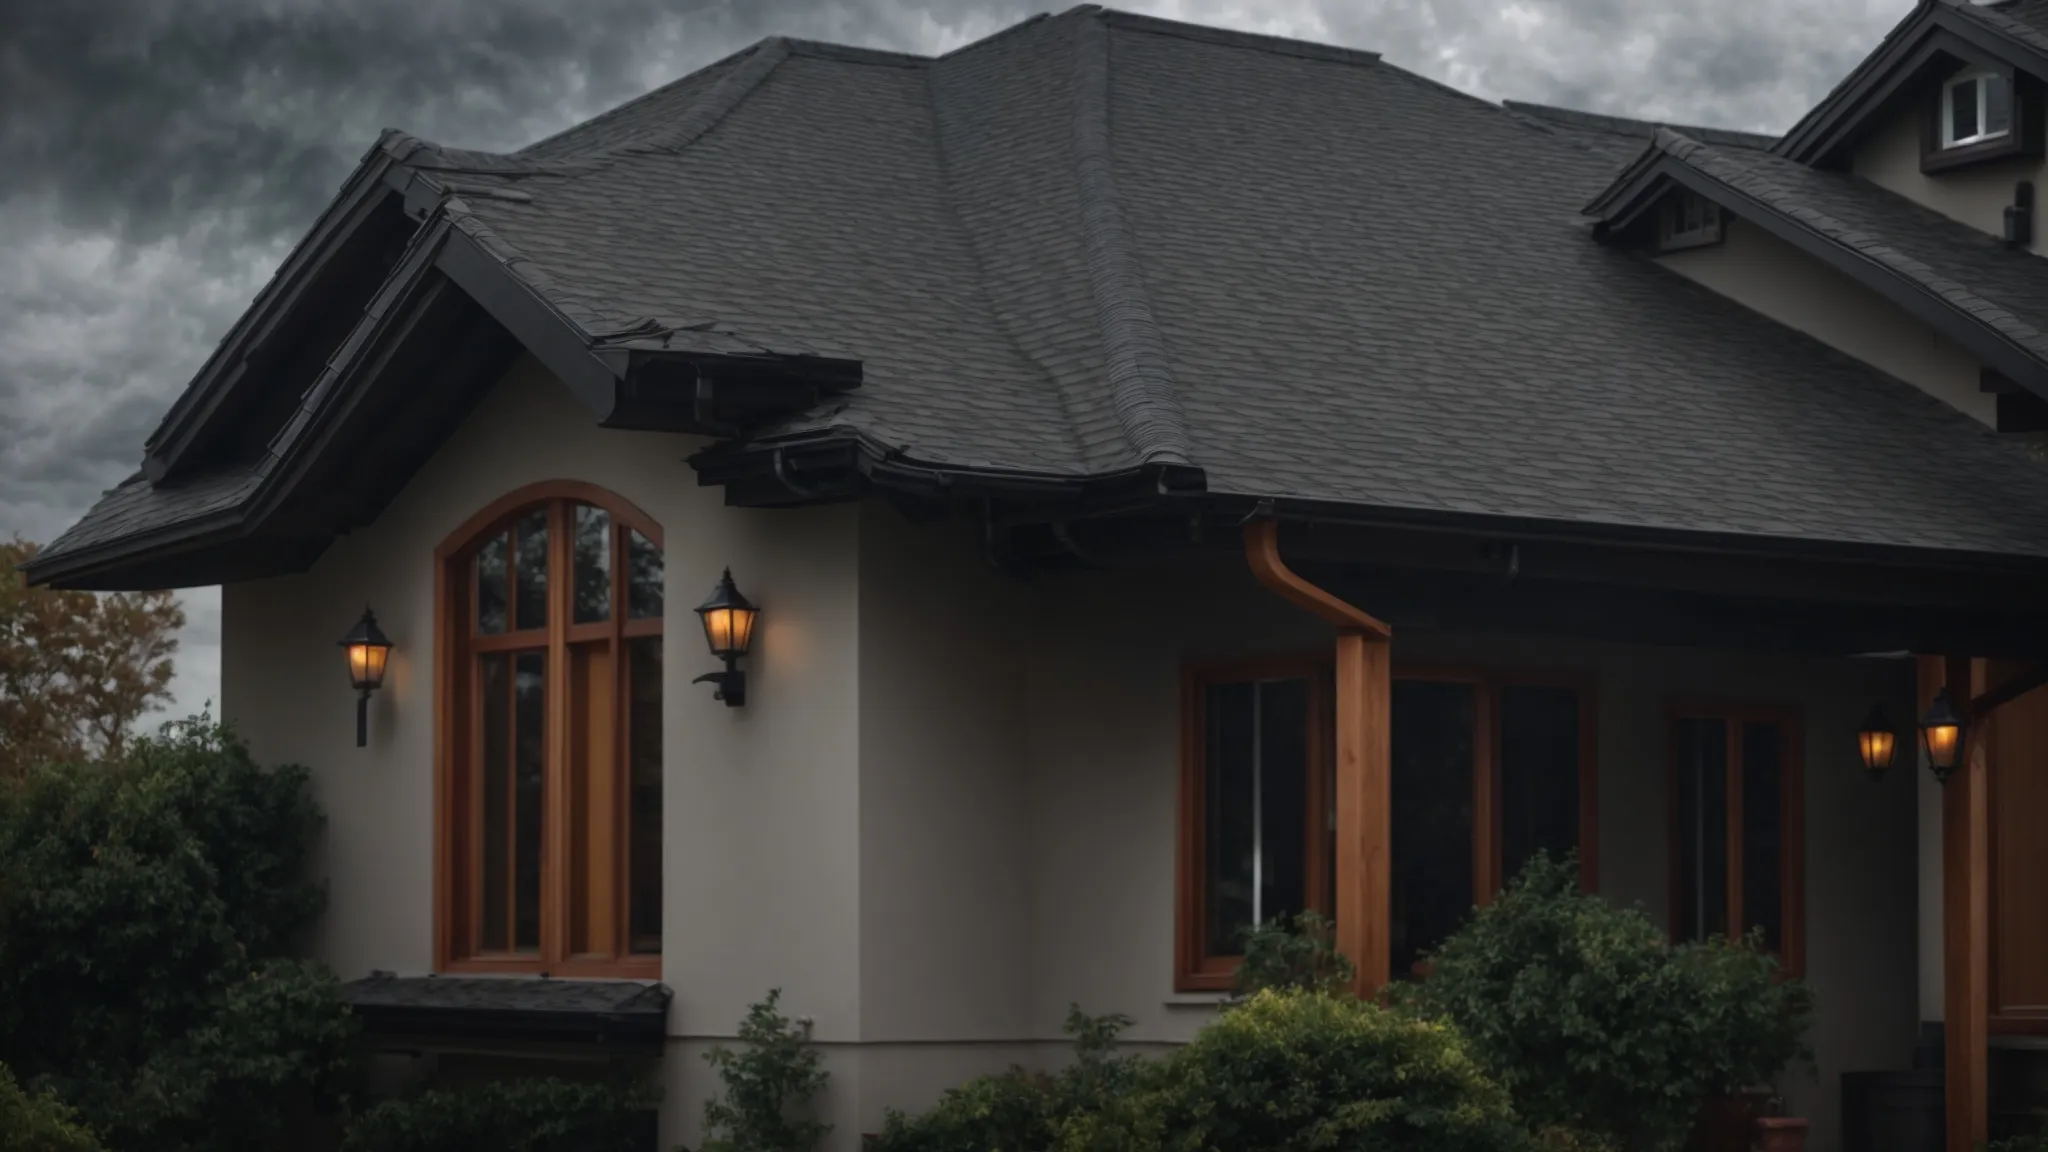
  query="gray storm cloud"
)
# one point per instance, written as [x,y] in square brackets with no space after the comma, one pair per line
[158,157]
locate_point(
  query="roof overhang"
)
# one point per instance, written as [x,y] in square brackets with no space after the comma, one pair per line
[1657,173]
[1937,35]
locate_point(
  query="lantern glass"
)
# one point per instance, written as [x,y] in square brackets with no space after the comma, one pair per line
[1876,741]
[366,664]
[728,620]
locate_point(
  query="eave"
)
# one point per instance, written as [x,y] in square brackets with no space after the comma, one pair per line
[1937,33]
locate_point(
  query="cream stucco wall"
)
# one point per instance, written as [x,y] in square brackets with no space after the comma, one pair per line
[947,811]
[1976,195]
[1763,273]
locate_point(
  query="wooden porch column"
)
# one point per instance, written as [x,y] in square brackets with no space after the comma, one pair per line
[1364,908]
[1365,857]
[1966,916]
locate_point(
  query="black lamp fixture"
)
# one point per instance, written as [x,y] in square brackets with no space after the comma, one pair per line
[1876,741]
[368,651]
[729,629]
[1941,733]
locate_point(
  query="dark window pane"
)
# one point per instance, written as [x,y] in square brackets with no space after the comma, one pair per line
[1283,798]
[1962,111]
[1539,774]
[1997,105]
[490,585]
[644,768]
[1229,792]
[593,586]
[1763,831]
[1432,752]
[530,544]
[643,576]
[529,708]
[494,767]
[1701,749]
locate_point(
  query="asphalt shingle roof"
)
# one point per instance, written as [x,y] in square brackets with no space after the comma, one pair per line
[1098,239]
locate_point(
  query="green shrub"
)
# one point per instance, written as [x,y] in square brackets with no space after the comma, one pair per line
[769,1085]
[146,910]
[538,1115]
[38,1123]
[1595,1023]
[1020,1111]
[1294,1071]
[1294,952]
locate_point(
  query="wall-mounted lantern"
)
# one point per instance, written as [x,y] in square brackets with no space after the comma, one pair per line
[1875,741]
[729,629]
[1941,733]
[368,650]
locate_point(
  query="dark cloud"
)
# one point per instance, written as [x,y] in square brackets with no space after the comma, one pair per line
[158,157]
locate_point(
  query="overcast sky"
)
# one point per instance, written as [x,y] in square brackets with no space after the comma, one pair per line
[158,157]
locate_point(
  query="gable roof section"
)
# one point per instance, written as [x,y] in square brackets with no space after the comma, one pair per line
[1100,252]
[1990,299]
[1937,34]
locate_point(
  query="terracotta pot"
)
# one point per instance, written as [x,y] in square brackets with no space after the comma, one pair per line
[1780,1134]
[1727,1122]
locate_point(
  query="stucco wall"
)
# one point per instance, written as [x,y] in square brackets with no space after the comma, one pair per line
[761,822]
[1102,655]
[1976,195]
[947,811]
[1763,273]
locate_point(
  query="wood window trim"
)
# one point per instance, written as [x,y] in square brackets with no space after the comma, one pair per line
[452,717]
[1790,721]
[1197,971]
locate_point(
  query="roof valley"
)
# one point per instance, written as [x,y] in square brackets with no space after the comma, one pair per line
[1142,387]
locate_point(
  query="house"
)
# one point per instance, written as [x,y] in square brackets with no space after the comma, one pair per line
[1184,476]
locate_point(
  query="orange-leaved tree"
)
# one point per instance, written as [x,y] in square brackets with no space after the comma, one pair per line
[77,669]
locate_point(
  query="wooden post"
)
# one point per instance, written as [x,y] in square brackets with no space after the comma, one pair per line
[1364,905]
[1966,917]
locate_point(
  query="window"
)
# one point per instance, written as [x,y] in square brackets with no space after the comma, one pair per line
[1737,836]
[1975,108]
[1509,755]
[1688,220]
[548,737]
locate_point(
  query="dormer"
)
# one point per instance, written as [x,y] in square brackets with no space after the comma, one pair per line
[1947,112]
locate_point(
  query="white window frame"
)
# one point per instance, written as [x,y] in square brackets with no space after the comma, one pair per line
[1672,232]
[1982,90]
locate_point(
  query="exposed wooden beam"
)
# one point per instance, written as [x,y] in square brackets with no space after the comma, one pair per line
[1365,856]
[1262,551]
[1966,917]
[1984,704]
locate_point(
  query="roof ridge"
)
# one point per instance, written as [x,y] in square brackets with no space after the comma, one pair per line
[1633,126]
[856,54]
[654,93]
[1142,387]
[1208,34]
[718,102]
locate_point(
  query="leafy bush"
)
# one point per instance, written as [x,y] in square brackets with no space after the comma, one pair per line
[768,1087]
[38,1123]
[537,1115]
[1297,952]
[1596,1025]
[1294,1071]
[1020,1111]
[146,909]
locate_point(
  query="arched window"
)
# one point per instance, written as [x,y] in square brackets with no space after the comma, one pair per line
[548,734]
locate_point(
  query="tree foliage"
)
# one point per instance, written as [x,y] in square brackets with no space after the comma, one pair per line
[769,1086]
[38,1122]
[148,907]
[77,669]
[536,1115]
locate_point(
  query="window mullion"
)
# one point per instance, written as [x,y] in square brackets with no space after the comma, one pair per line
[1736,731]
[622,742]
[554,925]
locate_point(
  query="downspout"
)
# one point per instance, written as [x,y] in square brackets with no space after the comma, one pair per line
[1364,699]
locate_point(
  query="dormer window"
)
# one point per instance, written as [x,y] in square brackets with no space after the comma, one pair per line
[1974,108]
[1688,220]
